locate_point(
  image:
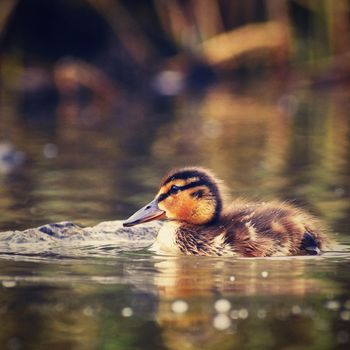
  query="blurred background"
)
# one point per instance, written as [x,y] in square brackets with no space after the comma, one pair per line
[99,98]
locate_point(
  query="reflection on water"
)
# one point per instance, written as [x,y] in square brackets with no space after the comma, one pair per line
[140,301]
[291,145]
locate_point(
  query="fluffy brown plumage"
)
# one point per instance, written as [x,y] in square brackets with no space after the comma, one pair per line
[199,222]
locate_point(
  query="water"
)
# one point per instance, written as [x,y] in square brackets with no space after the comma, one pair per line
[113,294]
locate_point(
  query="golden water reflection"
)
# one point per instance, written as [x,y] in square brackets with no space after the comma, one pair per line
[255,296]
[268,144]
[176,303]
[285,144]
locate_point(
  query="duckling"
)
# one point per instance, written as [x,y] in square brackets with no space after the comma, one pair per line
[199,222]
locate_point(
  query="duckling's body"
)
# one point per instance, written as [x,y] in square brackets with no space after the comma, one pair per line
[246,229]
[200,224]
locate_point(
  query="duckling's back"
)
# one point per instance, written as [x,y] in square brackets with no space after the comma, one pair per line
[273,228]
[255,230]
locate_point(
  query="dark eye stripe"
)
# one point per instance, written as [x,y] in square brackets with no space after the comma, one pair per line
[180,188]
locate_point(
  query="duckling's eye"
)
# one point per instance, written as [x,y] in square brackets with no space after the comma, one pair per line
[161,197]
[197,194]
[174,189]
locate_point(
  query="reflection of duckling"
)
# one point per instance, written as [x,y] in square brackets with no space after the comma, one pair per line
[191,199]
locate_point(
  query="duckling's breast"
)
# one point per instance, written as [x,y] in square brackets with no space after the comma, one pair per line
[166,240]
[177,238]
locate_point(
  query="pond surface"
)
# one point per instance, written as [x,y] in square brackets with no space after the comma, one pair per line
[291,145]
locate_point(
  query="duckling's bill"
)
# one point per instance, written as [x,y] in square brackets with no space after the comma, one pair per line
[147,213]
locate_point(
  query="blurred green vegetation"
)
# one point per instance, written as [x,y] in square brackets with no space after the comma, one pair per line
[91,62]
[113,44]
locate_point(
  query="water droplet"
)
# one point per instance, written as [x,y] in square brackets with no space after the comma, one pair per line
[264,274]
[179,306]
[345,315]
[234,314]
[88,311]
[222,305]
[50,150]
[221,322]
[243,313]
[261,313]
[8,284]
[333,305]
[127,312]
[296,310]
[168,83]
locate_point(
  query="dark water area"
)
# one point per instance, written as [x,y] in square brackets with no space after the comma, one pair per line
[268,144]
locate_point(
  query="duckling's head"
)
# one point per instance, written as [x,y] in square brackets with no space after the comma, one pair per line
[190,195]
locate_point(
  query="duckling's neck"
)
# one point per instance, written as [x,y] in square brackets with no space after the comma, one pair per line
[205,213]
